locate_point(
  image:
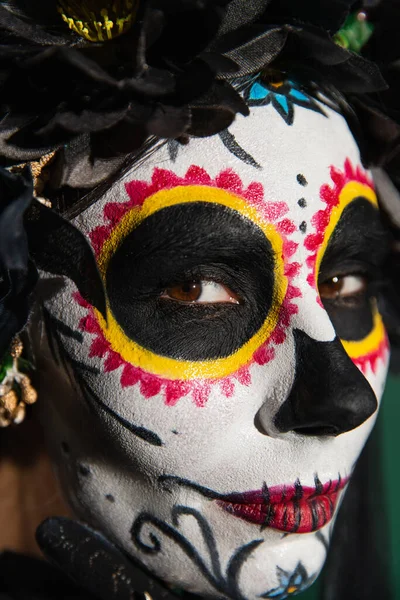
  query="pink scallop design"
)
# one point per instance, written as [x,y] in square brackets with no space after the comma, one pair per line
[149,384]
[330,195]
[374,358]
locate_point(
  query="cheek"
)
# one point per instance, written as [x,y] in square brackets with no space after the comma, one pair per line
[131,406]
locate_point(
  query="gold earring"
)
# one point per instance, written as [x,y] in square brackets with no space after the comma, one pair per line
[16,390]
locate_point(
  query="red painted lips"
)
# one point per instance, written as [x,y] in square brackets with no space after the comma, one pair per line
[294,508]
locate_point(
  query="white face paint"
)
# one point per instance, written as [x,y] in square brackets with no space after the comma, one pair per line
[179,428]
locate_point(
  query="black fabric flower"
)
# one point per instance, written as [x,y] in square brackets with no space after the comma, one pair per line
[58,247]
[379,113]
[298,38]
[16,297]
[33,236]
[167,75]
[292,36]
[55,85]
[17,273]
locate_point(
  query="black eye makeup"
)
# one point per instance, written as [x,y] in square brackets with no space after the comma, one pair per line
[344,288]
[201,273]
[350,273]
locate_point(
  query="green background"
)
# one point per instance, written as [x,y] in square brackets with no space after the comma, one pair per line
[391,429]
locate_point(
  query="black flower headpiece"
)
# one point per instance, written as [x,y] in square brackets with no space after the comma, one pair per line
[156,67]
[147,78]
[88,83]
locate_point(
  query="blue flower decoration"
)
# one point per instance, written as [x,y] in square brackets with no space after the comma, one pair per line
[290,583]
[283,95]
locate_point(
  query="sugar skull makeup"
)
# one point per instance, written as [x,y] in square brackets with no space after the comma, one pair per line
[210,424]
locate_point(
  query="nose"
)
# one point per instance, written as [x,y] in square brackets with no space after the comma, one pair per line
[329,395]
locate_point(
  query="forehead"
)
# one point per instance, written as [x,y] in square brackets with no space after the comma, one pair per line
[291,162]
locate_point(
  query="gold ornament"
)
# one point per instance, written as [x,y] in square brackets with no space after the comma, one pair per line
[98,20]
[16,390]
[16,347]
[29,394]
[9,401]
[5,420]
[19,414]
[4,389]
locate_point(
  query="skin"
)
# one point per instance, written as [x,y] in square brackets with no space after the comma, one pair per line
[144,441]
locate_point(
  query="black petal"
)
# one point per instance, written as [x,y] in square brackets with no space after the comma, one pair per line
[16,299]
[16,193]
[85,122]
[58,247]
[348,71]
[169,121]
[28,29]
[125,137]
[253,48]
[215,111]
[77,167]
[241,13]
[188,28]
[329,15]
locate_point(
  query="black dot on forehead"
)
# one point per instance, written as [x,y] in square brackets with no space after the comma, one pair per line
[303,227]
[84,470]
[302,202]
[301,179]
[110,498]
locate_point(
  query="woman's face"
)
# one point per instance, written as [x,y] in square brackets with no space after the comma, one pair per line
[210,426]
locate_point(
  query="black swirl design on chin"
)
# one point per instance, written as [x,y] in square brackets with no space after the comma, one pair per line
[226,583]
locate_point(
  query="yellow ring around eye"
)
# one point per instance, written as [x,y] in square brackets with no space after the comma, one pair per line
[171,368]
[371,342]
[349,193]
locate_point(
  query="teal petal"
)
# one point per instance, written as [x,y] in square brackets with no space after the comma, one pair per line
[299,95]
[258,92]
[283,102]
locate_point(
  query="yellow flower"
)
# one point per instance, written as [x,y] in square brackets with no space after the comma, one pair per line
[98,20]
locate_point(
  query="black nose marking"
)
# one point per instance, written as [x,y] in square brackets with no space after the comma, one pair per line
[329,395]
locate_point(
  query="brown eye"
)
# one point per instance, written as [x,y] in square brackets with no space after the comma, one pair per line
[343,287]
[201,292]
[189,291]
